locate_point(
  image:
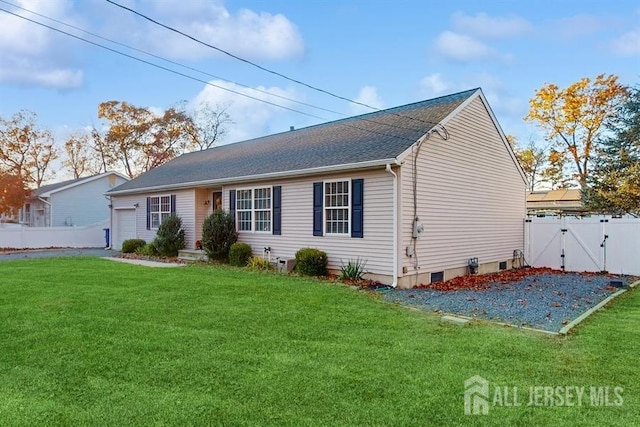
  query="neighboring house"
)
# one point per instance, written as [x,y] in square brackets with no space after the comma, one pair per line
[564,201]
[416,191]
[75,202]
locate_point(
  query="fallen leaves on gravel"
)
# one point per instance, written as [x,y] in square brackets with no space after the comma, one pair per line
[483,281]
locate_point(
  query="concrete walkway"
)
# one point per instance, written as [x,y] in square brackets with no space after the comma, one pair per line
[145,263]
[76,252]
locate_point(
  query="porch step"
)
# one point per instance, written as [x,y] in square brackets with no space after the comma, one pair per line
[192,255]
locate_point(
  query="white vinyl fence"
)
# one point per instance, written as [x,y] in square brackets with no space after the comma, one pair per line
[598,243]
[88,236]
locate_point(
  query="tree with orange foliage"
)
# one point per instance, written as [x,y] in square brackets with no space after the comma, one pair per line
[81,158]
[139,139]
[574,118]
[13,193]
[26,150]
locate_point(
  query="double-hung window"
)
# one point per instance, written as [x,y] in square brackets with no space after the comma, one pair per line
[159,208]
[253,207]
[244,200]
[262,207]
[336,207]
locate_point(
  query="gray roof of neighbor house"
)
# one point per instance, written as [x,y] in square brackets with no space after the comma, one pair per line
[566,199]
[71,182]
[375,136]
[55,186]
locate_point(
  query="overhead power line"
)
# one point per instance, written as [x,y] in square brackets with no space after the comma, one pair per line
[170,61]
[260,67]
[195,69]
[267,70]
[203,81]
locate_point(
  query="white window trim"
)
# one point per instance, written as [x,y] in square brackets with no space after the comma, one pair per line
[253,210]
[324,207]
[160,211]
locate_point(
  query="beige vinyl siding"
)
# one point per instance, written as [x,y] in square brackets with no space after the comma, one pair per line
[297,223]
[202,210]
[471,196]
[185,209]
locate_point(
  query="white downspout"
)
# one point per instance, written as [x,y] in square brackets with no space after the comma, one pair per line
[395,224]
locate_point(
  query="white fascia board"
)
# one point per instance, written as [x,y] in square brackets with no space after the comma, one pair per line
[254,178]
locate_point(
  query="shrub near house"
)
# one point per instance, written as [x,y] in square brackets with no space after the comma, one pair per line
[311,262]
[132,245]
[218,234]
[170,238]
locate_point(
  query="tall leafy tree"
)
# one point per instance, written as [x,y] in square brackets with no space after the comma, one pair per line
[555,174]
[81,158]
[13,193]
[208,125]
[532,159]
[139,139]
[614,186]
[574,118]
[26,150]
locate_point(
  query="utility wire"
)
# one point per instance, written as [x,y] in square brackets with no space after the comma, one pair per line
[198,70]
[260,67]
[158,66]
[168,60]
[197,79]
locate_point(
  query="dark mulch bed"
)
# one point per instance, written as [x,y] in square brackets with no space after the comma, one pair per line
[533,297]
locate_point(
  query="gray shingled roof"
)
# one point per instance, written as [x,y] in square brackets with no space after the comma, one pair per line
[375,136]
[51,187]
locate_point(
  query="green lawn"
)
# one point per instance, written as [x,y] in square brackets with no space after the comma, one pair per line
[94,342]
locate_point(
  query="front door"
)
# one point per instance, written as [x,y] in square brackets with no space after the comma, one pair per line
[217,200]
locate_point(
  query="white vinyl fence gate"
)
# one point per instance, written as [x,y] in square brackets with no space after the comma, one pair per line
[598,243]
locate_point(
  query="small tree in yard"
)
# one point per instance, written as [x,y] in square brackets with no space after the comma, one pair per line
[218,234]
[170,237]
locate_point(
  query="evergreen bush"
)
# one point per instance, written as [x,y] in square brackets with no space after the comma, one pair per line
[218,234]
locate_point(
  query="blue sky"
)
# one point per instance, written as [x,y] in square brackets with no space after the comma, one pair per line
[383,53]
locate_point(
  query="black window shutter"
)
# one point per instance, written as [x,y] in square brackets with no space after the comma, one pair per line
[357,211]
[277,210]
[173,203]
[317,208]
[148,213]
[232,204]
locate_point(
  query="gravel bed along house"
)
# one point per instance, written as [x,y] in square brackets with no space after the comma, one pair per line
[547,300]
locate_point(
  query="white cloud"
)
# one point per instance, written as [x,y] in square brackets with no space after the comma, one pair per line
[495,90]
[484,26]
[434,85]
[251,118]
[33,55]
[577,26]
[34,73]
[627,44]
[498,94]
[368,95]
[246,33]
[463,48]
